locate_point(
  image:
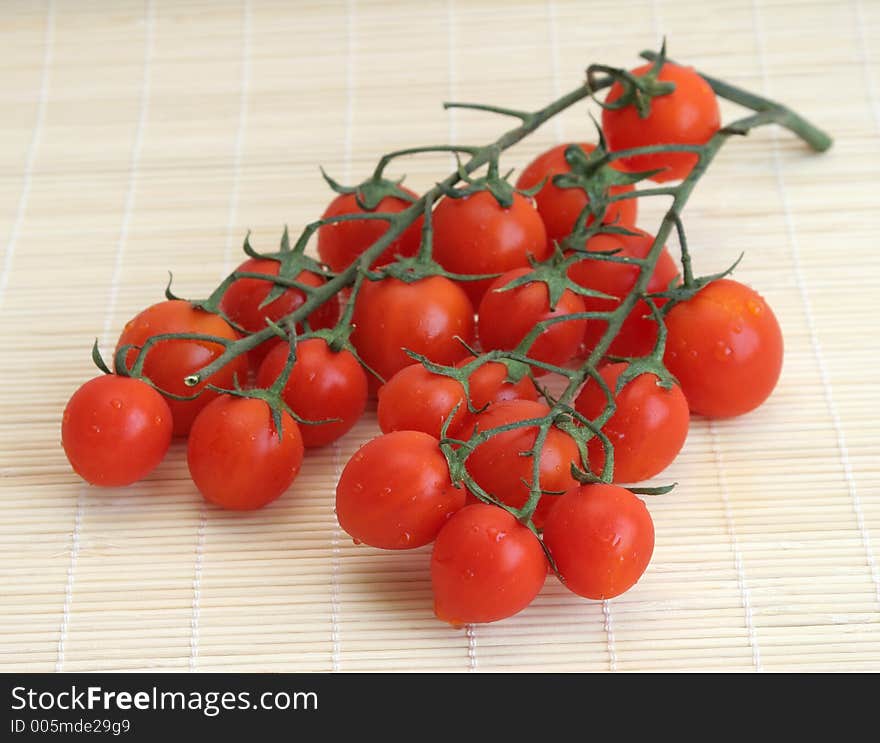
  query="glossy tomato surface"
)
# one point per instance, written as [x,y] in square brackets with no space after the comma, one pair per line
[638,333]
[647,430]
[341,244]
[485,566]
[115,430]
[688,115]
[395,492]
[427,316]
[500,466]
[507,317]
[601,538]
[560,207]
[476,235]
[323,385]
[725,347]
[169,362]
[235,456]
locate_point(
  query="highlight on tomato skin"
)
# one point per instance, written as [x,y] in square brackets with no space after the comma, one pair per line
[242,303]
[430,316]
[485,566]
[499,466]
[506,318]
[638,334]
[340,244]
[115,430]
[476,235]
[688,115]
[169,362]
[601,538]
[236,458]
[725,347]
[560,207]
[648,428]
[396,493]
[323,385]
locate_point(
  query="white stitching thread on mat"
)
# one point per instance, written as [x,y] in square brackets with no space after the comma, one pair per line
[793,242]
[744,592]
[609,635]
[348,140]
[555,64]
[128,209]
[68,588]
[452,77]
[231,219]
[33,146]
[864,58]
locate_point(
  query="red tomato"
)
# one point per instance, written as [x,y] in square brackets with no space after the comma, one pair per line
[476,235]
[322,385]
[169,362]
[485,566]
[340,244]
[498,466]
[414,399]
[560,207]
[648,428]
[725,348]
[688,115]
[489,383]
[395,492]
[242,299]
[601,538]
[506,317]
[426,316]
[115,430]
[638,333]
[235,456]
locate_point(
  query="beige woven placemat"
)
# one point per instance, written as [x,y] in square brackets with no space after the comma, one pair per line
[144,136]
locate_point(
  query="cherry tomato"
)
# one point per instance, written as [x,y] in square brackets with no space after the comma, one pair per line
[235,456]
[725,348]
[115,430]
[427,316]
[485,566]
[638,334]
[242,300]
[323,384]
[688,115]
[169,362]
[488,383]
[415,399]
[340,244]
[560,207]
[506,317]
[499,467]
[395,492]
[476,235]
[601,538]
[648,428]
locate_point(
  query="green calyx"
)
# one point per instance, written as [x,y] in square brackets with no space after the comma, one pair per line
[638,90]
[370,193]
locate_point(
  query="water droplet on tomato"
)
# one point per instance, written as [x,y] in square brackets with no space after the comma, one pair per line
[158,420]
[754,306]
[405,539]
[723,351]
[386,490]
[96,429]
[467,573]
[116,403]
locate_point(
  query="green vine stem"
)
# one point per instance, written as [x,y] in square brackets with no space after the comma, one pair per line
[561,410]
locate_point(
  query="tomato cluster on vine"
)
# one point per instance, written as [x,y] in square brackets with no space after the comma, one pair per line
[462,311]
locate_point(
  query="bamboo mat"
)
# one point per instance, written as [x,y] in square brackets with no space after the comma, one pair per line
[139,137]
